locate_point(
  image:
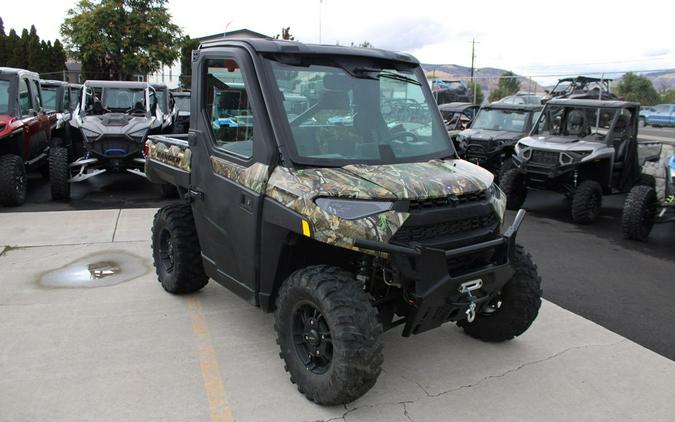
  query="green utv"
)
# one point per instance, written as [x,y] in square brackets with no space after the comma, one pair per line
[345,218]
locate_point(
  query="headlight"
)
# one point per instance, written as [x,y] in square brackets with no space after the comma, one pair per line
[139,134]
[90,134]
[498,200]
[352,209]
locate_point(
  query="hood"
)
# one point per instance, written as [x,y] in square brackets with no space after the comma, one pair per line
[8,124]
[298,189]
[489,135]
[560,143]
[432,179]
[116,123]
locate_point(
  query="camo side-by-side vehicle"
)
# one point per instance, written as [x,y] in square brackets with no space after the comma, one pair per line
[494,133]
[581,148]
[347,219]
[113,120]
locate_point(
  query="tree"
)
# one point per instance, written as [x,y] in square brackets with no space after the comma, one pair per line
[187,45]
[508,85]
[637,88]
[668,97]
[475,86]
[285,34]
[118,39]
[3,43]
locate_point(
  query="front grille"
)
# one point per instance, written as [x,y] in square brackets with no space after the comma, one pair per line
[544,157]
[446,201]
[407,234]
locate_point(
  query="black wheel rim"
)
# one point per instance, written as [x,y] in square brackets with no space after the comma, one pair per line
[593,206]
[648,216]
[312,338]
[166,251]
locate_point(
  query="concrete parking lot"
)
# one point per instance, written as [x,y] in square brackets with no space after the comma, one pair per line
[130,351]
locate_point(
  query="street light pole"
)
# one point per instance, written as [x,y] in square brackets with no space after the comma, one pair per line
[473,58]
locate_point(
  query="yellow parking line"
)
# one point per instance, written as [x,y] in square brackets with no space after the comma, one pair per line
[213,383]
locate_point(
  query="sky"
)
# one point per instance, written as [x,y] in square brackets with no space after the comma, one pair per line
[532,38]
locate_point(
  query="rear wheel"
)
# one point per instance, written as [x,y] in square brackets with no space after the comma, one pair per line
[13,180]
[175,250]
[329,335]
[512,183]
[587,202]
[514,308]
[639,213]
[59,168]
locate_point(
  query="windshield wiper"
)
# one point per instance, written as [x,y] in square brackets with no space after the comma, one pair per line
[384,74]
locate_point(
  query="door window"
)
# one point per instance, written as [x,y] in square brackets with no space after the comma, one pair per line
[66,99]
[24,97]
[228,108]
[35,95]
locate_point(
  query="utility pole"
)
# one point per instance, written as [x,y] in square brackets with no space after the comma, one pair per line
[320,16]
[473,58]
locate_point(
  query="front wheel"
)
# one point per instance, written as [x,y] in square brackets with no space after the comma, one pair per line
[586,202]
[511,312]
[639,213]
[329,335]
[175,250]
[512,183]
[13,180]
[59,169]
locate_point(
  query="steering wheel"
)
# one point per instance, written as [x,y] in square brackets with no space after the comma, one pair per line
[404,137]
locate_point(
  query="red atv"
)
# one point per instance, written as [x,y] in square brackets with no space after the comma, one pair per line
[25,133]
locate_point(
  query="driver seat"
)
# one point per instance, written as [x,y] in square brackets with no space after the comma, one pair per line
[576,123]
[620,141]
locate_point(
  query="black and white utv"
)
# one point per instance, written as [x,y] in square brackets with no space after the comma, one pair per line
[113,119]
[167,107]
[583,149]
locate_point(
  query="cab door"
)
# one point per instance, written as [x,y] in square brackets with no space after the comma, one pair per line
[229,171]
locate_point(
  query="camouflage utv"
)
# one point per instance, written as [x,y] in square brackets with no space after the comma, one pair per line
[345,218]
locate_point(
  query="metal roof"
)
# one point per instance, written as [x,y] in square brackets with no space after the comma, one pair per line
[294,47]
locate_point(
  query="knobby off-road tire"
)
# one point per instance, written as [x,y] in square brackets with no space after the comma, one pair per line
[350,351]
[13,180]
[175,250]
[59,169]
[586,202]
[639,212]
[512,312]
[512,183]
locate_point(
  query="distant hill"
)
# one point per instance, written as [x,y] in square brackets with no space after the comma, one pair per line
[487,77]
[663,79]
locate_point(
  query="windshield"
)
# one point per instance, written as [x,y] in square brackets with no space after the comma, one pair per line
[495,119]
[123,99]
[364,115]
[4,96]
[588,123]
[182,103]
[49,97]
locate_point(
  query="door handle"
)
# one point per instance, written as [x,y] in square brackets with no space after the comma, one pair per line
[246,202]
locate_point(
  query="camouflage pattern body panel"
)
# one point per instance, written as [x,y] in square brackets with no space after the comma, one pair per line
[253,177]
[171,155]
[297,190]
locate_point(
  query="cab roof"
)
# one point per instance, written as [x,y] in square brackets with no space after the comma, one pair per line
[18,72]
[117,84]
[294,47]
[570,102]
[455,106]
[515,107]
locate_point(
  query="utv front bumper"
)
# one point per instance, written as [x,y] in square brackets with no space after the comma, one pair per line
[438,296]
